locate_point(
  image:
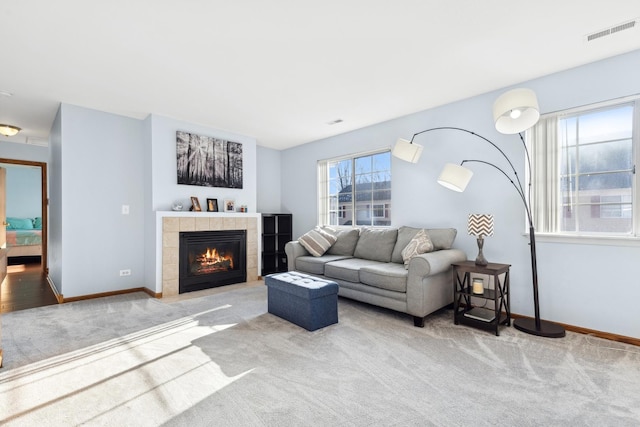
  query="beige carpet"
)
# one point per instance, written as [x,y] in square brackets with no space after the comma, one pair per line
[222,360]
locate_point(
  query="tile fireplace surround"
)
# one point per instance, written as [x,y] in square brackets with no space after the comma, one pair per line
[170,224]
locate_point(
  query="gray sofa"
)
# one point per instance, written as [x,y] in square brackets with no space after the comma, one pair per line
[368,266]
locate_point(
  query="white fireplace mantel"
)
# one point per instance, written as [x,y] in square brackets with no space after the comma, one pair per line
[170,223]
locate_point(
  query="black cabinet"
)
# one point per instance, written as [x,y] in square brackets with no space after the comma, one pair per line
[277,230]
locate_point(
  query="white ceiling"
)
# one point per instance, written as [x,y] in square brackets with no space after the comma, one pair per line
[280,70]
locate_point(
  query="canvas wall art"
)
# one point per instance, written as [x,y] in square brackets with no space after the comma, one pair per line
[208,161]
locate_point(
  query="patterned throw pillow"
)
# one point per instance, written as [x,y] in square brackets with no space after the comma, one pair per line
[317,241]
[420,244]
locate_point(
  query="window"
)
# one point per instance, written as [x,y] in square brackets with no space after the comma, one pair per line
[379,211]
[583,171]
[355,190]
[342,211]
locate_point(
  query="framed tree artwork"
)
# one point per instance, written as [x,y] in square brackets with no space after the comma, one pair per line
[207,161]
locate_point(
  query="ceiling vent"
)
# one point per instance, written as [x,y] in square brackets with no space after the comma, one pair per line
[615,29]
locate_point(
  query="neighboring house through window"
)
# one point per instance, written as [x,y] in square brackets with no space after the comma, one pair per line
[583,170]
[355,190]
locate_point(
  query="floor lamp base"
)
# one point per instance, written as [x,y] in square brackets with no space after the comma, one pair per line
[547,329]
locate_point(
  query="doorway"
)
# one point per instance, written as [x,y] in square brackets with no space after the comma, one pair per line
[27,284]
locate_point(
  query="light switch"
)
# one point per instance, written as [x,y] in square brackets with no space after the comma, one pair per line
[125,209]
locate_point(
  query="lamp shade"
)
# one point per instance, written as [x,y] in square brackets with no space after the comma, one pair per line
[407,151]
[455,177]
[9,130]
[480,225]
[515,111]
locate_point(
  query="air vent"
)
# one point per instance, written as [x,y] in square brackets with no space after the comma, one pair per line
[609,31]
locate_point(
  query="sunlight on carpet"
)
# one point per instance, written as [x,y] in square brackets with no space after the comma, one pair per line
[152,375]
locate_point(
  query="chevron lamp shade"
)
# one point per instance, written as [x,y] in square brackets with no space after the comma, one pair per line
[480,225]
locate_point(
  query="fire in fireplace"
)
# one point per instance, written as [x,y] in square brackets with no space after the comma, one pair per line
[210,261]
[212,258]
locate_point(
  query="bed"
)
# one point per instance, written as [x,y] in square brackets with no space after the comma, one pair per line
[24,237]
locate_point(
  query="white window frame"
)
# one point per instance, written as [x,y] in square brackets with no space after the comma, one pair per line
[632,239]
[324,212]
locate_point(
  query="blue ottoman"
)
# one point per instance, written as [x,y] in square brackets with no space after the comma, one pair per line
[307,301]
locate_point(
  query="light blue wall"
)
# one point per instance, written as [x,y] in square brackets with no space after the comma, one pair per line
[150,268]
[24,191]
[269,181]
[99,167]
[18,151]
[583,285]
[54,243]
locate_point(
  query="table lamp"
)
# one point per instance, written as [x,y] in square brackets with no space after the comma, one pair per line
[480,225]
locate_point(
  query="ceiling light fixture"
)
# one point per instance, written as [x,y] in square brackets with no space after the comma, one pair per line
[9,130]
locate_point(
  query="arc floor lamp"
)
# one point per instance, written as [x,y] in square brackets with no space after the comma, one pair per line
[513,112]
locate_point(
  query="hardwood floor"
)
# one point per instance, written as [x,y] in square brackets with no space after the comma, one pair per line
[25,287]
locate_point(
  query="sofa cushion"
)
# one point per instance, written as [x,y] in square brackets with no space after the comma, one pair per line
[315,265]
[345,243]
[347,269]
[317,241]
[420,244]
[390,276]
[376,244]
[442,238]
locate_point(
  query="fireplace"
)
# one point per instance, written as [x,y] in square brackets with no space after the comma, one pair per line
[212,258]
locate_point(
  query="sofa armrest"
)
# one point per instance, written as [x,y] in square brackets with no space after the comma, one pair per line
[429,284]
[294,250]
[432,263]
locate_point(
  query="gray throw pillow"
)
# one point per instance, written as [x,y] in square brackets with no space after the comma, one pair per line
[376,244]
[442,238]
[345,243]
[317,241]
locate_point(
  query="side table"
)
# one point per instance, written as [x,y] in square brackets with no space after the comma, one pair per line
[464,308]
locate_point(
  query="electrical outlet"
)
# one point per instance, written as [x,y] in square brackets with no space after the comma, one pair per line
[126,272]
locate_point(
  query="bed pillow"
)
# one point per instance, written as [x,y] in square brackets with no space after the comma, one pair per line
[19,223]
[37,223]
[317,241]
[420,244]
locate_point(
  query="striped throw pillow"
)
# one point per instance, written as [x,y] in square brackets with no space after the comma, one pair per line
[317,241]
